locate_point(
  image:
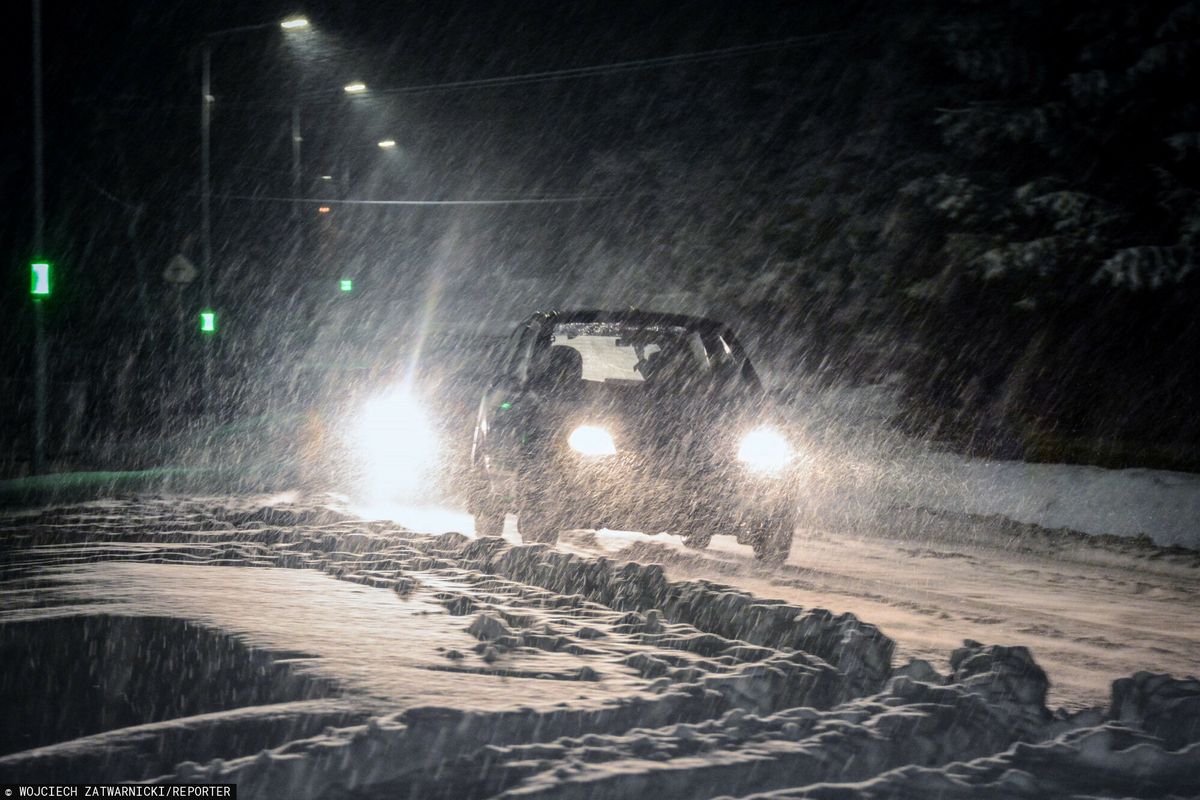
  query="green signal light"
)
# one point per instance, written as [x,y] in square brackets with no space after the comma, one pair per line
[208,322]
[346,285]
[39,279]
[506,405]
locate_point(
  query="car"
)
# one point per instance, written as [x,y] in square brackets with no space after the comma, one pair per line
[631,420]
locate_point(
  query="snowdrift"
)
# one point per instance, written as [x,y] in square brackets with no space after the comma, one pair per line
[697,690]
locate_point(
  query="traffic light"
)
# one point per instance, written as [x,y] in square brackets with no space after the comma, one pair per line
[346,284]
[39,279]
[208,322]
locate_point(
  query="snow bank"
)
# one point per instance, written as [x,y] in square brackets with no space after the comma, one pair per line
[867,468]
[714,693]
[1164,506]
[859,649]
[1106,758]
[980,732]
[657,649]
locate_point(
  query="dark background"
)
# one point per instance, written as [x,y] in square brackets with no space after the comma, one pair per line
[993,207]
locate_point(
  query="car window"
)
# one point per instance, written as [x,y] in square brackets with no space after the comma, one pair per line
[603,359]
[631,355]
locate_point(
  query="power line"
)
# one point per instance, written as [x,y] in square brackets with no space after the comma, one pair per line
[523,79]
[513,201]
[612,68]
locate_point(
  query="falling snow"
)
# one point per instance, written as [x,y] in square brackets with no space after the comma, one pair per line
[886,315]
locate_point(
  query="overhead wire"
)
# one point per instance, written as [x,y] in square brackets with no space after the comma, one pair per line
[497,201]
[610,68]
[544,76]
[524,79]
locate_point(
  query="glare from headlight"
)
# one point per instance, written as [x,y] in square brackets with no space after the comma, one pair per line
[592,441]
[765,450]
[394,444]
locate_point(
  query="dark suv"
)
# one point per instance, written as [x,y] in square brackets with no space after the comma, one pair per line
[631,420]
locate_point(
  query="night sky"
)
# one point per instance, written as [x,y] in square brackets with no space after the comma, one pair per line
[122,86]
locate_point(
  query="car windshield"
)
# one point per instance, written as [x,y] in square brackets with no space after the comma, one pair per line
[623,354]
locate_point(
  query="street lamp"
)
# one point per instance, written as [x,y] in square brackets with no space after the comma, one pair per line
[206,100]
[387,144]
[358,87]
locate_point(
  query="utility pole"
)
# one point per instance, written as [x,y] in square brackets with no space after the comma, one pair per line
[296,140]
[206,263]
[206,101]
[205,188]
[208,282]
[39,230]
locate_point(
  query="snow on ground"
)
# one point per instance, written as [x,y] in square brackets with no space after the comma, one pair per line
[1130,502]
[860,480]
[653,651]
[305,653]
[859,469]
[1090,614]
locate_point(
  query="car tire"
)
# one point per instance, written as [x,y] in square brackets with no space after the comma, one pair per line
[773,541]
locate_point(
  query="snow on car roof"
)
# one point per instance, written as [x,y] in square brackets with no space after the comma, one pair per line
[634,317]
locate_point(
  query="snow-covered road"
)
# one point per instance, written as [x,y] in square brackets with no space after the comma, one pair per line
[300,651]
[1090,610]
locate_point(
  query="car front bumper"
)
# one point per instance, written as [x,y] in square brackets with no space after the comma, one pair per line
[628,492]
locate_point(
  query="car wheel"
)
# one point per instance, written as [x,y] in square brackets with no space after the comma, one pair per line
[773,540]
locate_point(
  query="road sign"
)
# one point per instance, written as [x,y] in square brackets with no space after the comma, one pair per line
[180,270]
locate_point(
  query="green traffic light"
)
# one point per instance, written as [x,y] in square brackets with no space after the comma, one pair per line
[39,278]
[208,322]
[346,284]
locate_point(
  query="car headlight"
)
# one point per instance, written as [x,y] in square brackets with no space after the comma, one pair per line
[394,445]
[765,450]
[591,440]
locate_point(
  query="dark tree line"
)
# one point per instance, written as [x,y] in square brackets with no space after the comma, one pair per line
[999,202]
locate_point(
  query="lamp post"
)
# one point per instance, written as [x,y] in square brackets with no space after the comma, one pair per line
[206,99]
[296,140]
[205,144]
[40,271]
[208,317]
